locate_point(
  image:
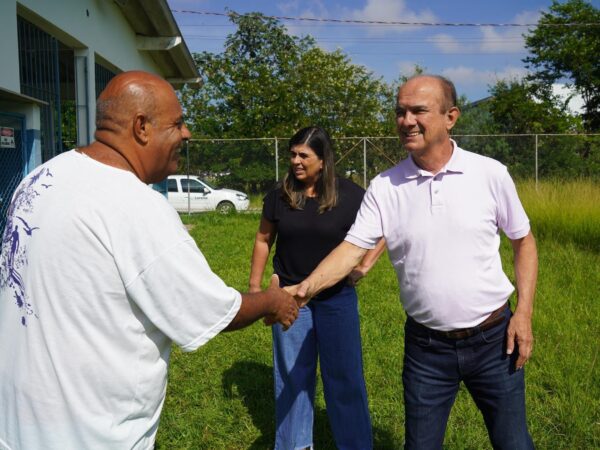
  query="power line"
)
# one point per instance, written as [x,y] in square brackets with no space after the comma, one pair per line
[386,22]
[366,41]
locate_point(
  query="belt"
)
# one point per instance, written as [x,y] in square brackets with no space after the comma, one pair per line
[496,318]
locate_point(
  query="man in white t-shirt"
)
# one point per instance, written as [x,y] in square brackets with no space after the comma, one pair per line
[441,211]
[99,276]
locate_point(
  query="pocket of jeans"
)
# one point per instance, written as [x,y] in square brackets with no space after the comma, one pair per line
[416,336]
[494,334]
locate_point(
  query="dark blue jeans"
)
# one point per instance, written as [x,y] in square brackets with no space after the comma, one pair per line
[433,370]
[327,330]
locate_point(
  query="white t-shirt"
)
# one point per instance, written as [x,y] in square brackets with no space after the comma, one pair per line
[442,235]
[98,277]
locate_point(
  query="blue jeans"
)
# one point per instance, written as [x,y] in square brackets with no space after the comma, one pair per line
[328,330]
[433,370]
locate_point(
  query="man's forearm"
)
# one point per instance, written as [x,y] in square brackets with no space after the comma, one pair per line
[519,333]
[372,256]
[274,304]
[254,306]
[333,268]
[526,269]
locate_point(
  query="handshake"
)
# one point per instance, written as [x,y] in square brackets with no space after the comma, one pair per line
[346,260]
[284,302]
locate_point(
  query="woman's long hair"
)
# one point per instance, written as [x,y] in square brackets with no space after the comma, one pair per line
[325,188]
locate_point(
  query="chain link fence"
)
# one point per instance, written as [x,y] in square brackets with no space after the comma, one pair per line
[13,160]
[255,165]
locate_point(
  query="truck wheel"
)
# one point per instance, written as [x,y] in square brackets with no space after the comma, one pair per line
[225,207]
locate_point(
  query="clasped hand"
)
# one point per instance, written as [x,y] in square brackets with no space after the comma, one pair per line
[285,305]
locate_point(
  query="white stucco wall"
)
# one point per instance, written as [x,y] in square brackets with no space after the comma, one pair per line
[9,52]
[93,28]
[97,25]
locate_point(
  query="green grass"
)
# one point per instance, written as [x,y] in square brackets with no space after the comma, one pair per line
[564,211]
[221,396]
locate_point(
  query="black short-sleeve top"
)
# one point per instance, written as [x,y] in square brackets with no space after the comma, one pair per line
[305,237]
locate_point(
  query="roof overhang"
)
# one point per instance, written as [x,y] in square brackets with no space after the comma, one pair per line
[15,97]
[159,35]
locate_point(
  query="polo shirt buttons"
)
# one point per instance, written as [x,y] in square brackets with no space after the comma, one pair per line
[436,197]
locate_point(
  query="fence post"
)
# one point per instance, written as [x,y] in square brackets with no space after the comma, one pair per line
[536,162]
[187,159]
[276,160]
[365,163]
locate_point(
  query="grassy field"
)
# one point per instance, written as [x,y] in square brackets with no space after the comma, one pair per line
[221,396]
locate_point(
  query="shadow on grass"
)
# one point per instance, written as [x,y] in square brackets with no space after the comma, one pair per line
[253,383]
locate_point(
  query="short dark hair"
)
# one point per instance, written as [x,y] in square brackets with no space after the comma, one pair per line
[325,188]
[449,91]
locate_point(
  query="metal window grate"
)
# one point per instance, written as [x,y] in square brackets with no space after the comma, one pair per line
[103,76]
[39,77]
[68,103]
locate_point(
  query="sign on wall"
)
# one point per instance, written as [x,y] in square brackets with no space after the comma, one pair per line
[7,137]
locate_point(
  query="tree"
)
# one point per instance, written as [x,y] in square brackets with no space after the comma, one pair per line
[566,44]
[266,84]
[342,97]
[516,109]
[476,120]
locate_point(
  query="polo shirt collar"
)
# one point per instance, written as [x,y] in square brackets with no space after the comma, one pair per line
[456,164]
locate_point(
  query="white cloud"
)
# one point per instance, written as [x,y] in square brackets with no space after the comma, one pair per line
[375,10]
[406,68]
[390,10]
[447,43]
[468,77]
[492,39]
[314,9]
[509,39]
[289,7]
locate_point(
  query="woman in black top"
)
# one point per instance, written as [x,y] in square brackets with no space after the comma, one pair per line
[308,216]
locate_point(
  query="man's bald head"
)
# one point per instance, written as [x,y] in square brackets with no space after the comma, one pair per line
[126,95]
[448,99]
[139,126]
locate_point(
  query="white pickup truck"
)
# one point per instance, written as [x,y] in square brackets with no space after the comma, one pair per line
[193,194]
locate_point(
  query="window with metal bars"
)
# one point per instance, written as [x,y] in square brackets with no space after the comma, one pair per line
[47,73]
[103,76]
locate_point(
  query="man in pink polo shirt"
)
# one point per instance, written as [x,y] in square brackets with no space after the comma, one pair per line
[441,211]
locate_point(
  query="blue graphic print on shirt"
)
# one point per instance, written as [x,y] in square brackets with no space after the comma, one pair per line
[14,242]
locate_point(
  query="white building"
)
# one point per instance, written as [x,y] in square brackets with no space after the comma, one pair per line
[56,56]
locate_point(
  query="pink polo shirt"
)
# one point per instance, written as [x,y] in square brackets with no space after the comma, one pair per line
[442,235]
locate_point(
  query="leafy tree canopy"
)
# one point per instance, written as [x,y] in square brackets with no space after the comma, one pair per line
[516,108]
[267,83]
[559,50]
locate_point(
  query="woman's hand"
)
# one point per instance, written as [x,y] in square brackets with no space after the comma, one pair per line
[356,275]
[254,289]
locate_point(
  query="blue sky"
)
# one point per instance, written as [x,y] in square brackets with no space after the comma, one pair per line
[472,57]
